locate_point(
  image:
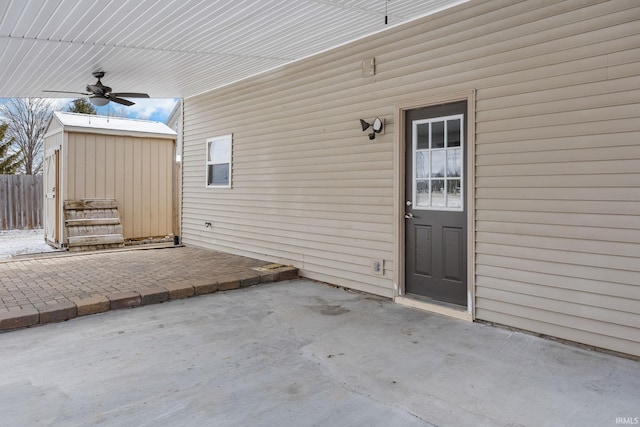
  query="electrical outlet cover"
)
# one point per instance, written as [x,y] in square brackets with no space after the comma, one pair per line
[377,266]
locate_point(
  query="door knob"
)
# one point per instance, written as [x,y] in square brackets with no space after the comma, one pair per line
[408,216]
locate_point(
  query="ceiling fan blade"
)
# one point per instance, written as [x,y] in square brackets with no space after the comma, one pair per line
[66,91]
[125,102]
[97,90]
[130,95]
[100,95]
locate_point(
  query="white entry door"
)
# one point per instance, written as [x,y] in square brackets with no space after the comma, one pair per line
[51,188]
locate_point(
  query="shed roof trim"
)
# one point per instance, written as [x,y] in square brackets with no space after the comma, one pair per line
[104,123]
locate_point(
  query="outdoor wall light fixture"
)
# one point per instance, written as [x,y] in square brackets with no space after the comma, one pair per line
[376,127]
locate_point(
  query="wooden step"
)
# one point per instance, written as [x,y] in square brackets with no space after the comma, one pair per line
[92,221]
[90,204]
[94,230]
[105,239]
[92,224]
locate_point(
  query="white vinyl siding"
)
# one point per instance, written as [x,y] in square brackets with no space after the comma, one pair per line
[557,160]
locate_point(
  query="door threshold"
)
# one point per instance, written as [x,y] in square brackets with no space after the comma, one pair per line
[433,306]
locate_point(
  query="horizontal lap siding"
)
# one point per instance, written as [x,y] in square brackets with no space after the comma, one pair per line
[309,188]
[557,160]
[558,190]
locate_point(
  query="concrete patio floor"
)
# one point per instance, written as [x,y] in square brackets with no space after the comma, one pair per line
[300,353]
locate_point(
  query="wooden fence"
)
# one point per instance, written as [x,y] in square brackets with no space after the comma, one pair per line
[21,202]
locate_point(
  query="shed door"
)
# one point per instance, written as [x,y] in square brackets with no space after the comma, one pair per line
[51,197]
[436,217]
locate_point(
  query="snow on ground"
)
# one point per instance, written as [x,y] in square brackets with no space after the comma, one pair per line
[18,242]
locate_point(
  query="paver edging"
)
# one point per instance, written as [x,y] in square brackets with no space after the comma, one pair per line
[19,318]
[91,305]
[154,295]
[58,312]
[179,290]
[205,286]
[248,278]
[124,300]
[276,272]
[228,282]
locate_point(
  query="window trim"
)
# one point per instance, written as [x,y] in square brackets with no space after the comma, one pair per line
[229,138]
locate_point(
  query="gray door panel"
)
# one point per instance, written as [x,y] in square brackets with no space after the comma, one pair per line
[436,217]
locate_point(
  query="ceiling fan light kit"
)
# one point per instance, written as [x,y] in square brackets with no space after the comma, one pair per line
[101,95]
[98,101]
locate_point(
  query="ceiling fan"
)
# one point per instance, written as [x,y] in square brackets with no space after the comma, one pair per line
[101,95]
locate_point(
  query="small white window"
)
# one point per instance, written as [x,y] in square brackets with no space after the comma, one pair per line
[219,162]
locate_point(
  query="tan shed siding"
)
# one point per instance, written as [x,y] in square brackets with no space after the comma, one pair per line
[557,160]
[128,169]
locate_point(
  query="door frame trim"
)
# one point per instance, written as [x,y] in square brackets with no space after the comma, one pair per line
[399,196]
[56,195]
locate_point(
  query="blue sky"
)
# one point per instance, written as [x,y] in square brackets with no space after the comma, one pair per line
[157,109]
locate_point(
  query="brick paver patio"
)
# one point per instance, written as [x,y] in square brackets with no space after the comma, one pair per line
[55,288]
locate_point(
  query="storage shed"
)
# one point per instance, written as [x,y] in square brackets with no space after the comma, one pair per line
[503,187]
[105,163]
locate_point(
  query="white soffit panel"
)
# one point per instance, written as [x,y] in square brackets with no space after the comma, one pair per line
[177,48]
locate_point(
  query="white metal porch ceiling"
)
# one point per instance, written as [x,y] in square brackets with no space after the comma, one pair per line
[176,48]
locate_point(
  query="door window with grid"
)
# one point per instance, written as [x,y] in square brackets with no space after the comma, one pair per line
[438,163]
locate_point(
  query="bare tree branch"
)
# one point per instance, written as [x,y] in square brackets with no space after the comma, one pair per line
[27,119]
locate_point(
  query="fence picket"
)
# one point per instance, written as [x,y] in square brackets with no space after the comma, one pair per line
[21,202]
